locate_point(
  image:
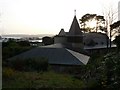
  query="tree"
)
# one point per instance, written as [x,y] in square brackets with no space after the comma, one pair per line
[110,16]
[83,21]
[100,23]
[47,40]
[110,66]
[98,20]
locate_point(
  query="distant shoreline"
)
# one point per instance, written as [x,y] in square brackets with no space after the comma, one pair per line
[25,35]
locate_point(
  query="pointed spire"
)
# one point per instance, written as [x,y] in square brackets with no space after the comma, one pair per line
[75,12]
[75,28]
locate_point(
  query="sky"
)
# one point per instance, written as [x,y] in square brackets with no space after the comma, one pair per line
[46,16]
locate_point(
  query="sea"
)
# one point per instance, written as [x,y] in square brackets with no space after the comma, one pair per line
[35,38]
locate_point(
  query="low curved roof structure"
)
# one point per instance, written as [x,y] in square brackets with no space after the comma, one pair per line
[55,55]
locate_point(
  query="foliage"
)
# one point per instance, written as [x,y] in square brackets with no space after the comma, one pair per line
[117,41]
[40,64]
[12,48]
[42,80]
[47,40]
[88,18]
[103,70]
[91,72]
[111,64]
[24,43]
[8,73]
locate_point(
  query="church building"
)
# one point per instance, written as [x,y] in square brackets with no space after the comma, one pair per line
[73,38]
[67,49]
[85,43]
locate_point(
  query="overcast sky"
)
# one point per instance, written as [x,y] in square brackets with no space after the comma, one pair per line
[46,16]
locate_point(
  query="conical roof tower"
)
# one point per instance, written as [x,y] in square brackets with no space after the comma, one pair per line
[62,33]
[75,28]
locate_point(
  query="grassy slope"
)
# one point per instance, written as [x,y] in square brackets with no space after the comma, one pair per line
[41,80]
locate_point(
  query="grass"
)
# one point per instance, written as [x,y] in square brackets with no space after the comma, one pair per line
[36,80]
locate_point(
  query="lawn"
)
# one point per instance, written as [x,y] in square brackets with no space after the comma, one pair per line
[48,79]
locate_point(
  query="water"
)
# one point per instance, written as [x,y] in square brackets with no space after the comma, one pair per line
[35,40]
[20,38]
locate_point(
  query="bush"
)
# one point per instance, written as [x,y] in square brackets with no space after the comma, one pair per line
[30,64]
[24,43]
[17,64]
[47,40]
[12,48]
[40,65]
[8,73]
[109,71]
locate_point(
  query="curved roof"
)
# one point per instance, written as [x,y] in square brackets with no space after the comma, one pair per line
[55,55]
[95,35]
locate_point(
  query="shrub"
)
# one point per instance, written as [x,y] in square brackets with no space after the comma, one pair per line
[24,43]
[8,73]
[17,64]
[109,70]
[47,40]
[40,64]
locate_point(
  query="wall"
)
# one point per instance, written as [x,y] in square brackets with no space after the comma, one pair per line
[58,39]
